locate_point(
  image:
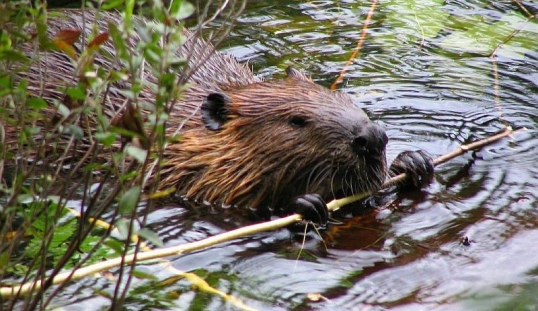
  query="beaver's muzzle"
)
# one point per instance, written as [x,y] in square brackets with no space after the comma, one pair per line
[371,141]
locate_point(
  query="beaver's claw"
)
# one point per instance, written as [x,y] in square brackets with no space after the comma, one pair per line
[417,165]
[312,207]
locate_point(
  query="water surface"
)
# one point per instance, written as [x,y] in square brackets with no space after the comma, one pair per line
[427,74]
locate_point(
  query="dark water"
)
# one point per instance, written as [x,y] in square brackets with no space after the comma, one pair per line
[425,74]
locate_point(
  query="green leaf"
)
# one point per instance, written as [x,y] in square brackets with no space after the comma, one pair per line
[129,175]
[74,130]
[143,275]
[153,54]
[176,62]
[137,153]
[106,138]
[64,111]
[129,200]
[128,13]
[14,56]
[4,260]
[32,130]
[115,76]
[123,228]
[119,43]
[5,82]
[174,138]
[112,4]
[25,198]
[116,245]
[76,92]
[123,132]
[129,94]
[151,236]
[180,9]
[5,42]
[37,103]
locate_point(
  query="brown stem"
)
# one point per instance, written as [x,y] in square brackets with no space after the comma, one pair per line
[523,8]
[357,48]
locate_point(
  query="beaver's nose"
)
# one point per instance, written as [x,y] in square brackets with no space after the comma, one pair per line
[371,141]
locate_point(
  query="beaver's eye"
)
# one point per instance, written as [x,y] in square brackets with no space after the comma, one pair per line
[298,121]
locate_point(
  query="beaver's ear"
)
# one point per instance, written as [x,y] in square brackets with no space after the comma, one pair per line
[215,111]
[297,75]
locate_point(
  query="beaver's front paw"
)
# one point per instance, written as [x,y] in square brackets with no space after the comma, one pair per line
[312,207]
[417,165]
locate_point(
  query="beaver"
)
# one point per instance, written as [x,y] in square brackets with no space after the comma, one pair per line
[276,146]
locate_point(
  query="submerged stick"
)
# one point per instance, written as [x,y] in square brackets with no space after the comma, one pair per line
[6,292]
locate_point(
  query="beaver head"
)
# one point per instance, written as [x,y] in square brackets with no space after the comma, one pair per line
[261,144]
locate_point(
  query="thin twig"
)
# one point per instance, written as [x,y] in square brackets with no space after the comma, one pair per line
[510,36]
[493,55]
[357,48]
[523,8]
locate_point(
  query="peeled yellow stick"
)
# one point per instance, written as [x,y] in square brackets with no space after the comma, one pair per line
[6,292]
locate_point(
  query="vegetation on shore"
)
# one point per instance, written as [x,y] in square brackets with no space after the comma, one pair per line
[51,201]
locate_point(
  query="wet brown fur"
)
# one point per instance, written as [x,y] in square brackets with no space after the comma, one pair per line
[259,158]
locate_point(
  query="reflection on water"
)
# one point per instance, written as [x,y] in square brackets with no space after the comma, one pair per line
[429,93]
